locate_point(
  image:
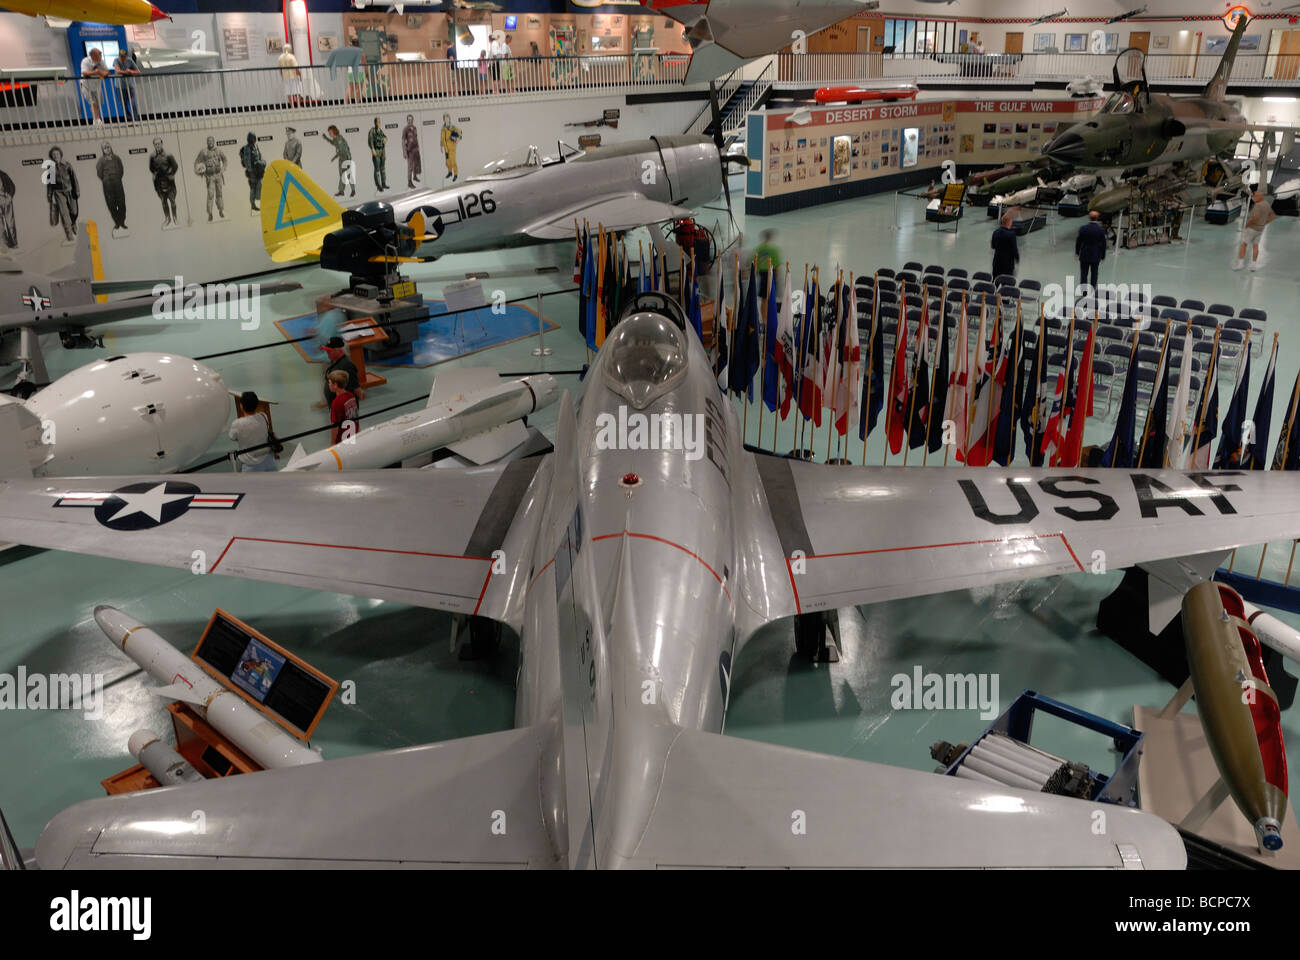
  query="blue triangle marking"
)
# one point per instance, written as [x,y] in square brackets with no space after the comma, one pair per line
[291,181]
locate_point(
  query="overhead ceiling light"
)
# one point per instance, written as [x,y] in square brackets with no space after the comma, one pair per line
[1279,99]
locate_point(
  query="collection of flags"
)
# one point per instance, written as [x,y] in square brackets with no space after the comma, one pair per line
[796,350]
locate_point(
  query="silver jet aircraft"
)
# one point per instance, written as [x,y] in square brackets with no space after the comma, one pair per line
[640,557]
[517,200]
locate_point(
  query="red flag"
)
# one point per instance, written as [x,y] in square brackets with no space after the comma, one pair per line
[896,417]
[990,375]
[1073,448]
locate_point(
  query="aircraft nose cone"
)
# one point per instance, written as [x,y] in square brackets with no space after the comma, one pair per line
[156,14]
[1069,147]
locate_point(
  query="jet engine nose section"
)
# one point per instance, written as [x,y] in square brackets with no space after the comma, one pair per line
[1068,147]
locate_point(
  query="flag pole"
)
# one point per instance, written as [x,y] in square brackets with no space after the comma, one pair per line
[970,401]
[1018,345]
[1205,394]
[801,352]
[929,407]
[835,381]
[911,385]
[762,364]
[1038,381]
[900,331]
[1160,369]
[871,350]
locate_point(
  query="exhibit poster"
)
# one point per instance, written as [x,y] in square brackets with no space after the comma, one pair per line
[258,667]
[842,157]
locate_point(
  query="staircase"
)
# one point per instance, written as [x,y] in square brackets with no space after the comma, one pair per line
[736,98]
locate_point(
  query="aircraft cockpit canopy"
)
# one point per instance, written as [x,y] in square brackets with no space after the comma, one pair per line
[1130,75]
[524,160]
[646,358]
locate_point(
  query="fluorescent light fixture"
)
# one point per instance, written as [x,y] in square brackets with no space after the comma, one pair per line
[1279,99]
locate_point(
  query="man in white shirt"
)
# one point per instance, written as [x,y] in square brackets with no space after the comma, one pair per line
[94,71]
[291,74]
[497,49]
[251,430]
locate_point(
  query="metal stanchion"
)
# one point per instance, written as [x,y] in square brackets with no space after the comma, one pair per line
[894,225]
[541,350]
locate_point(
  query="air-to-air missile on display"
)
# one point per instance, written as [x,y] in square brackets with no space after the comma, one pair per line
[471,410]
[1076,194]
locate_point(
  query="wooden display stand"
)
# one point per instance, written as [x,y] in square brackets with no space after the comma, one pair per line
[207,751]
[1178,770]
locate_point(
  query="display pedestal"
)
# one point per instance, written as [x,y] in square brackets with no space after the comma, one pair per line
[1178,771]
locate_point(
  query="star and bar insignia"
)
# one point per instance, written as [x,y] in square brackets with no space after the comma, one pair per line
[148,504]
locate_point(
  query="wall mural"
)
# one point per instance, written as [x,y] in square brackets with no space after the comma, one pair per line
[189,186]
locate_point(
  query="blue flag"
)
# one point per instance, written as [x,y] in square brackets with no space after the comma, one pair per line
[771,374]
[1230,451]
[693,311]
[1156,436]
[1121,452]
[1287,455]
[589,286]
[1256,455]
[1004,435]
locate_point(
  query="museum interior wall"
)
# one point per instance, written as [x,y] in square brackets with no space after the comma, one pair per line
[230,244]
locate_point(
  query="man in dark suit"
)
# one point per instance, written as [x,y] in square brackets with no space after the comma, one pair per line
[1006,252]
[1090,248]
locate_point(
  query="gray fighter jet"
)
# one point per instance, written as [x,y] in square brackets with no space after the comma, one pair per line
[633,563]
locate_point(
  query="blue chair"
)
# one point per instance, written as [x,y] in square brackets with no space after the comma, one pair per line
[1221,310]
[912,266]
[906,276]
[1206,323]
[885,272]
[958,283]
[958,272]
[980,275]
[1174,316]
[1163,301]
[1193,306]
[933,269]
[1004,280]
[1146,339]
[1148,356]
[1253,315]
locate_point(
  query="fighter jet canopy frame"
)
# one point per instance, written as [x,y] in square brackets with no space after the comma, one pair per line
[1132,93]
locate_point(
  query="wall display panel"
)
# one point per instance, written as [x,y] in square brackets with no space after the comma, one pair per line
[851,143]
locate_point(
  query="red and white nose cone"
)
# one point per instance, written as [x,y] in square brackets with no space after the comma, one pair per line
[156,14]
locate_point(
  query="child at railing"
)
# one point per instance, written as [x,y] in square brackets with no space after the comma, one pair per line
[483,72]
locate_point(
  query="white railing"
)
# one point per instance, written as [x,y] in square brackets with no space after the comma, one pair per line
[994,68]
[168,97]
[741,110]
[725,90]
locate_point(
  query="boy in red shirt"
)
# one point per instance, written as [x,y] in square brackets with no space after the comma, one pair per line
[343,408]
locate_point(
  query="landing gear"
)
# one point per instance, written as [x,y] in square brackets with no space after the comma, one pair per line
[816,636]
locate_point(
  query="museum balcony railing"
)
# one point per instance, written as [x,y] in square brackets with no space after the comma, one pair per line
[995,69]
[164,98]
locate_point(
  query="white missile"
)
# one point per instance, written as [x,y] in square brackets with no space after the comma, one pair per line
[1272,632]
[168,767]
[264,741]
[470,409]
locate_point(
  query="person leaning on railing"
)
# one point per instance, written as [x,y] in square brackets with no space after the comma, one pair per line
[94,71]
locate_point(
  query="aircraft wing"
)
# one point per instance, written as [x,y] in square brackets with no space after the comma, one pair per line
[728,802]
[472,802]
[622,211]
[853,535]
[726,33]
[85,315]
[420,537]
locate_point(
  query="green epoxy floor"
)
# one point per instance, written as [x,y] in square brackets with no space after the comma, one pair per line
[411,688]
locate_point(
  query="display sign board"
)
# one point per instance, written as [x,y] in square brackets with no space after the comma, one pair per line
[284,687]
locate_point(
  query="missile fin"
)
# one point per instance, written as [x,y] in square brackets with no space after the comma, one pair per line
[491,444]
[178,691]
[298,454]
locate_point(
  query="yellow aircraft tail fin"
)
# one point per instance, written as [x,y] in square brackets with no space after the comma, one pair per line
[96,258]
[296,213]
